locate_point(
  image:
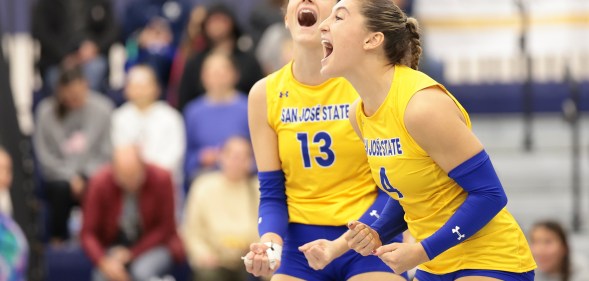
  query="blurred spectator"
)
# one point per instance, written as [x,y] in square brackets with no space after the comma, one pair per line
[13,244]
[139,13]
[155,126]
[221,33]
[153,46]
[275,48]
[212,119]
[71,142]
[74,32]
[242,9]
[191,43]
[215,246]
[152,30]
[129,230]
[550,247]
[265,14]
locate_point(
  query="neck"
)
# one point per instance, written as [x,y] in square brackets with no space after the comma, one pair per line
[307,65]
[222,95]
[234,179]
[225,46]
[372,80]
[144,106]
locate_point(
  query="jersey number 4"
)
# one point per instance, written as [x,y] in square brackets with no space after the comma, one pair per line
[386,184]
[322,138]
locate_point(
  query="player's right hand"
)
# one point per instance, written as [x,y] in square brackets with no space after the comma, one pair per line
[319,253]
[362,238]
[256,261]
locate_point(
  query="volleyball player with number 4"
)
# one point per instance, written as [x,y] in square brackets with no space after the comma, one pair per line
[422,151]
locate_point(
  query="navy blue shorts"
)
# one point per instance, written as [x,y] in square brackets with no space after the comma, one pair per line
[348,265]
[501,275]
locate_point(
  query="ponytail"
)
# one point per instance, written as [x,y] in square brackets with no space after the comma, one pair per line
[414,42]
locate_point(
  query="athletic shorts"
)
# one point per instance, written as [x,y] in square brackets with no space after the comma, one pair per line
[501,275]
[348,265]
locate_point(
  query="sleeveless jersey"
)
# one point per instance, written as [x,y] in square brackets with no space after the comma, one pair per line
[429,197]
[328,179]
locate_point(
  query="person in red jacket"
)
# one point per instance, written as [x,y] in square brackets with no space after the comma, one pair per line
[129,228]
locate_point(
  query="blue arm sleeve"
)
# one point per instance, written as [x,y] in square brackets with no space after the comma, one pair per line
[273,211]
[374,211]
[485,199]
[391,222]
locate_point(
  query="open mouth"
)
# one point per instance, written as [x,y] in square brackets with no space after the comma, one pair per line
[327,48]
[307,17]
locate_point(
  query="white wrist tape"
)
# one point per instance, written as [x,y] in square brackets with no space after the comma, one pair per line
[247,261]
[274,253]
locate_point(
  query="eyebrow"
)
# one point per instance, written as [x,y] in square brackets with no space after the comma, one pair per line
[341,8]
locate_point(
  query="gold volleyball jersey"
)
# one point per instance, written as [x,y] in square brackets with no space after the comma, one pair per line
[328,179]
[429,197]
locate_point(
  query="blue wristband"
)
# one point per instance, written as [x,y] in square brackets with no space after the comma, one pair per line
[485,199]
[273,210]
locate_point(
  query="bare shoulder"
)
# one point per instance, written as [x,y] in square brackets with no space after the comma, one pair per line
[257,93]
[257,103]
[429,107]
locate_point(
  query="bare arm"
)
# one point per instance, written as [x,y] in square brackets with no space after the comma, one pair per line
[265,144]
[264,139]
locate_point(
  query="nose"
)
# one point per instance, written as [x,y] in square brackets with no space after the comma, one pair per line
[324,25]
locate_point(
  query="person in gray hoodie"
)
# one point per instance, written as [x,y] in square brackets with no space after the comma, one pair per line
[71,142]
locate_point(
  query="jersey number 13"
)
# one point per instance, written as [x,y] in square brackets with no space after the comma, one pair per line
[324,141]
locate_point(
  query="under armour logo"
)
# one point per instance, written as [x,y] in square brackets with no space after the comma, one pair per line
[285,94]
[374,214]
[456,230]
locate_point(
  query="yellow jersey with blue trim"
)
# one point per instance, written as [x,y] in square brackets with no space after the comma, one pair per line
[328,179]
[428,196]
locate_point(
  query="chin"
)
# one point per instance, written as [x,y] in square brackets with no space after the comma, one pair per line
[325,72]
[307,39]
[329,71]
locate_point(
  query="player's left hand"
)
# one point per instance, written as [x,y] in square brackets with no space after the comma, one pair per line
[319,253]
[402,256]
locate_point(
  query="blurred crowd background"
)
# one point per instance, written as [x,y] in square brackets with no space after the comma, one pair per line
[124,144]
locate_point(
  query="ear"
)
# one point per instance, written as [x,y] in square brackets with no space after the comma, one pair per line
[286,21]
[373,40]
